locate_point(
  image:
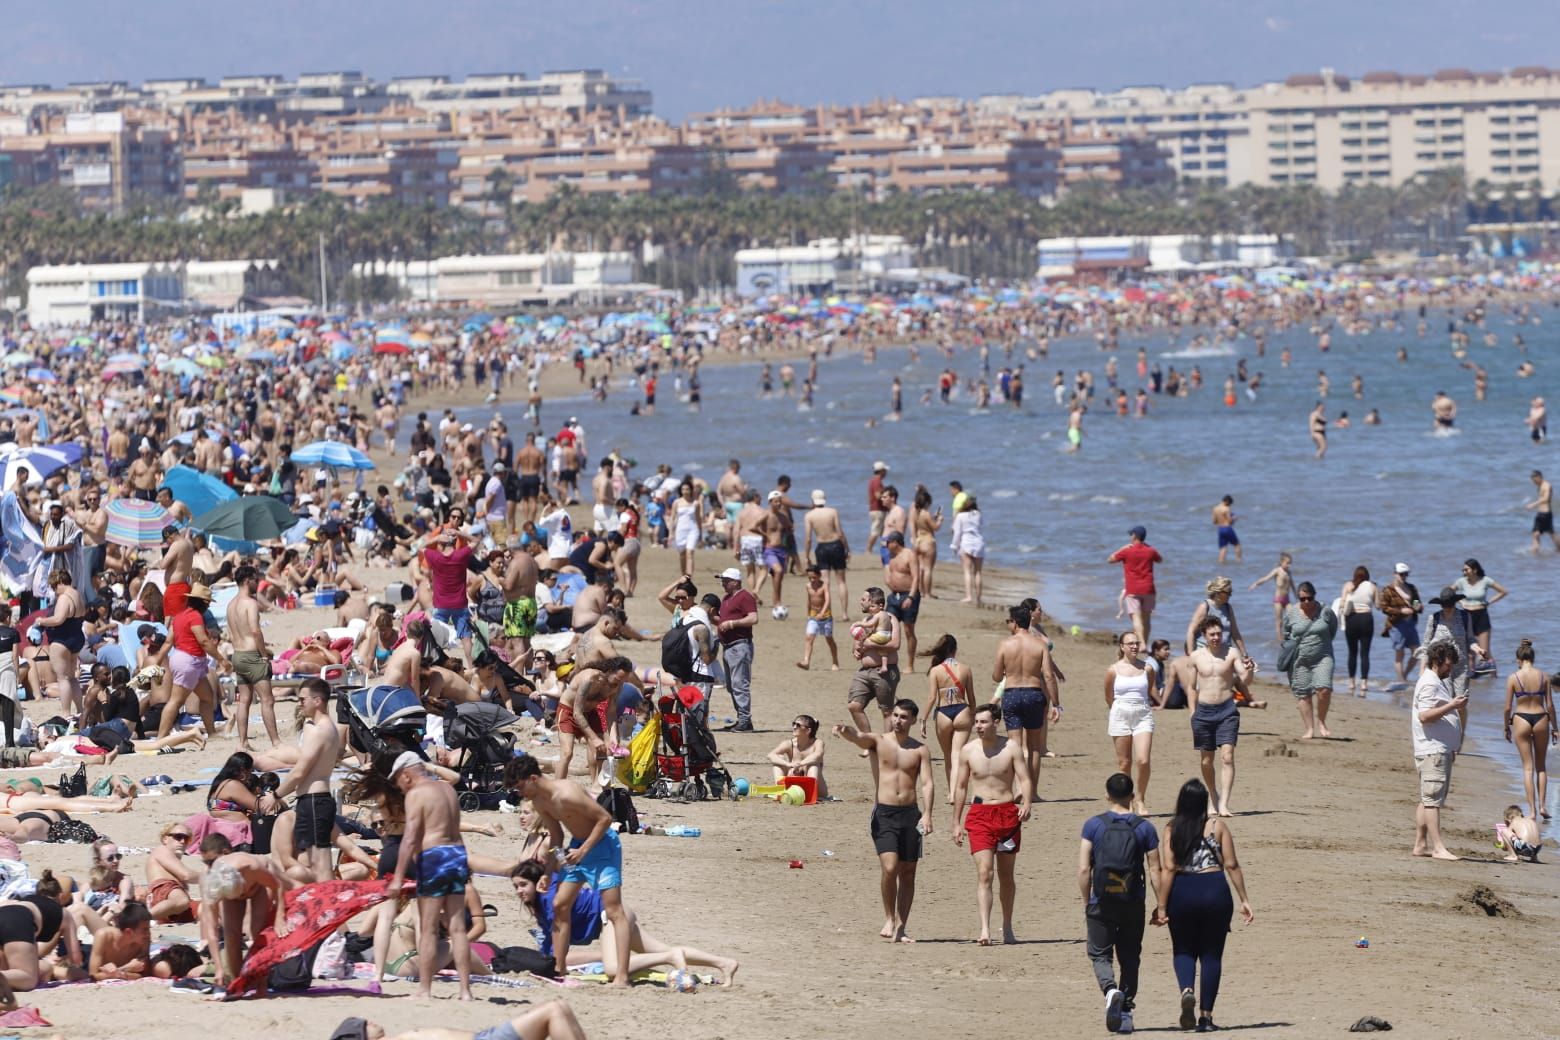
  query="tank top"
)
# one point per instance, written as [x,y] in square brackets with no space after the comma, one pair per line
[1132,687]
[1223,614]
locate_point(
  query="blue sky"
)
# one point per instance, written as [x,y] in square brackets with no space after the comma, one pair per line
[701,54]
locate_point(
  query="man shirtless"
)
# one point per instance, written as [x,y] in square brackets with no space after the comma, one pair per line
[594,856]
[529,462]
[92,517]
[1218,670]
[1224,524]
[550,1021]
[432,842]
[876,650]
[774,527]
[731,487]
[121,950]
[177,564]
[747,540]
[1542,506]
[903,767]
[822,526]
[236,882]
[895,516]
[995,780]
[519,585]
[1031,697]
[1445,411]
[902,575]
[579,707]
[1283,581]
[251,659]
[318,752]
[177,510]
[144,473]
[596,644]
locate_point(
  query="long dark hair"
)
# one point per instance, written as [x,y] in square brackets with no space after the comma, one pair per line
[1473,565]
[374,785]
[238,762]
[944,648]
[1191,817]
[532,870]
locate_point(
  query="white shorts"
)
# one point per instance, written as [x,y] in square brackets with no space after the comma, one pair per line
[1128,718]
[752,550]
[824,627]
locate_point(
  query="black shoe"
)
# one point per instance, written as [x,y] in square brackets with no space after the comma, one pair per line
[738,727]
[1205,1025]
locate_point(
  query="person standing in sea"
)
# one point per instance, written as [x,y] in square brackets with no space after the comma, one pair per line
[1137,559]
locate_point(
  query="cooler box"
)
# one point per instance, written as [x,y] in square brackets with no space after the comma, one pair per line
[325,596]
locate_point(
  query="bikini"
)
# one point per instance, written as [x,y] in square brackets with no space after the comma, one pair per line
[1532,718]
[953,709]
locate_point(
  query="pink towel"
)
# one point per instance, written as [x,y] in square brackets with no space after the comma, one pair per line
[237,832]
[22,1018]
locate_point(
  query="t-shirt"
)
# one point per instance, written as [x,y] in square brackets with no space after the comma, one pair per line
[1137,568]
[875,493]
[584,917]
[1147,837]
[1445,733]
[493,494]
[183,627]
[737,605]
[447,572]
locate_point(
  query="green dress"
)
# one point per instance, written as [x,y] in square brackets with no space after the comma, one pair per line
[1313,669]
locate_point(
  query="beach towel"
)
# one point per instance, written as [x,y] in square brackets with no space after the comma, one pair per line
[23,1018]
[313,912]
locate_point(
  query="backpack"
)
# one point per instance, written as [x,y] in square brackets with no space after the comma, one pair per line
[618,802]
[521,960]
[677,654]
[1117,860]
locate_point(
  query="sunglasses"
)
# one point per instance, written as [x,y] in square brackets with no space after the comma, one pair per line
[115,858]
[179,837]
[1307,599]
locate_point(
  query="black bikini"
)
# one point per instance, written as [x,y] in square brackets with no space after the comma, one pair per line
[1532,718]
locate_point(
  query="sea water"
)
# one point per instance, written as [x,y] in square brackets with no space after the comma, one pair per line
[1400,491]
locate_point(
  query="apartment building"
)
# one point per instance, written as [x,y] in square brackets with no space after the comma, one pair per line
[109,159]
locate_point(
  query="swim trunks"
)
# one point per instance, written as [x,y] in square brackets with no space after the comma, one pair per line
[1143,604]
[1024,707]
[906,606]
[250,667]
[990,826]
[1215,725]
[520,618]
[1227,536]
[896,829]
[830,556]
[602,867]
[442,871]
[751,551]
[161,891]
[774,556]
[502,1031]
[1543,523]
[870,684]
[175,597]
[314,819]
[530,486]
[821,627]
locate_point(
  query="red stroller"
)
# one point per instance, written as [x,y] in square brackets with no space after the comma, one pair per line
[687,760]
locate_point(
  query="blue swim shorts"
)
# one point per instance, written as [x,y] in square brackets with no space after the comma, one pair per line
[442,871]
[602,867]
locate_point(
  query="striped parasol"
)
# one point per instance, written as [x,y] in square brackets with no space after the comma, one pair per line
[136,524]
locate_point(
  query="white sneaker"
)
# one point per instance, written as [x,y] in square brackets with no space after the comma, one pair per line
[1113,1001]
[1126,1023]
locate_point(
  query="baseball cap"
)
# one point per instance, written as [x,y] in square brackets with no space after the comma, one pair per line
[818,498]
[405,760]
[730,574]
[1138,532]
[774,496]
[1401,568]
[880,466]
[498,467]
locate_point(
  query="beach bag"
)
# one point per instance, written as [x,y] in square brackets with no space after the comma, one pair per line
[522,960]
[618,802]
[72,832]
[74,785]
[1287,654]
[637,771]
[677,654]
[294,974]
[1117,860]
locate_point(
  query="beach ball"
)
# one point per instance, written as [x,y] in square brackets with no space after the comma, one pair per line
[740,787]
[794,795]
[681,981]
[780,612]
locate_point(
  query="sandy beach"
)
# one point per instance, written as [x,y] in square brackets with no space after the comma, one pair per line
[1323,830]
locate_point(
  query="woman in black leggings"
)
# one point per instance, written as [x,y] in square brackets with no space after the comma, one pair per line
[25,925]
[1194,899]
[1358,603]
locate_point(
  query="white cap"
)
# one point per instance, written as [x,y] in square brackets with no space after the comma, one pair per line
[775,496]
[880,466]
[730,574]
[305,498]
[405,760]
[498,467]
[1401,568]
[465,427]
[818,497]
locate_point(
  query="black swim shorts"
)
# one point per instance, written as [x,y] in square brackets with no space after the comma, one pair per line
[896,829]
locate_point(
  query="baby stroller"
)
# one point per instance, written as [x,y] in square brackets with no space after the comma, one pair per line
[382,720]
[477,731]
[687,760]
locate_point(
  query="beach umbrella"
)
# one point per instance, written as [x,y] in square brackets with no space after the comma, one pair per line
[40,460]
[180,367]
[126,358]
[13,394]
[248,518]
[41,375]
[196,490]
[210,361]
[334,454]
[18,358]
[260,357]
[85,342]
[392,334]
[135,524]
[121,368]
[390,346]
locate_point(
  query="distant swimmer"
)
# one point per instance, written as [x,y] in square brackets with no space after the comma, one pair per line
[1373,418]
[1075,428]
[1318,424]
[1445,410]
[1537,421]
[1282,581]
[1224,523]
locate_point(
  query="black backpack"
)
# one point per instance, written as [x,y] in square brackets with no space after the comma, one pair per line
[618,802]
[1117,861]
[522,960]
[677,654]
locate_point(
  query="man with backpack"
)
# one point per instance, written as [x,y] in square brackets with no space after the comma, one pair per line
[688,647]
[1118,851]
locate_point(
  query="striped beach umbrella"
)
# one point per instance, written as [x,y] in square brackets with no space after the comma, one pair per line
[40,460]
[135,524]
[334,454]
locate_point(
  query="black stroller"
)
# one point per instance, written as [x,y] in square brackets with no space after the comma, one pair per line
[382,720]
[688,765]
[478,730]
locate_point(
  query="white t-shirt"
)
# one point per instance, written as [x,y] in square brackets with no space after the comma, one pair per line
[497,504]
[1445,733]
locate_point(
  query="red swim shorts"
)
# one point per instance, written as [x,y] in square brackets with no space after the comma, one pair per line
[989,825]
[175,598]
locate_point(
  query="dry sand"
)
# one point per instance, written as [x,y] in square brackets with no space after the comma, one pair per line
[1323,831]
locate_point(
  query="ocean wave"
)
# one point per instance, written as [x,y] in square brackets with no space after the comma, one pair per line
[1108,500]
[1004,493]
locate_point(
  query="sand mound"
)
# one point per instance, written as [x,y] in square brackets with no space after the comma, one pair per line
[1281,750]
[1481,899]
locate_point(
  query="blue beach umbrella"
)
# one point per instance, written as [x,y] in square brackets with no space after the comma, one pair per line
[334,454]
[196,490]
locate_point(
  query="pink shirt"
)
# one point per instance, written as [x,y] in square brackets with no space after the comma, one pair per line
[447,573]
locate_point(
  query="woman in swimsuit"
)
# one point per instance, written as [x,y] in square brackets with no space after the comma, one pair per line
[1530,725]
[378,639]
[1131,700]
[66,640]
[951,701]
[27,925]
[924,525]
[800,754]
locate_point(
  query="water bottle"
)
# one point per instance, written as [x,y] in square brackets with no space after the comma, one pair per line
[681,831]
